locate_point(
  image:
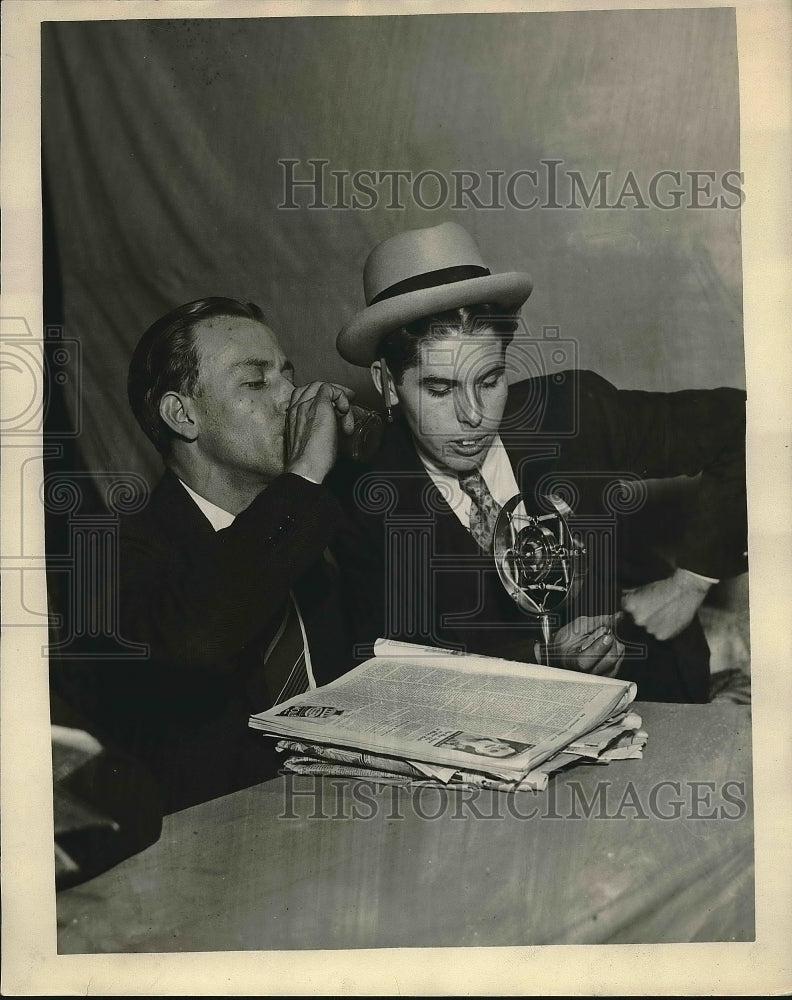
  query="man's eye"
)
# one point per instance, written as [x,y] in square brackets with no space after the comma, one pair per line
[258,383]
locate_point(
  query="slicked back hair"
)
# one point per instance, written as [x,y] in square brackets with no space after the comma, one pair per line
[166,360]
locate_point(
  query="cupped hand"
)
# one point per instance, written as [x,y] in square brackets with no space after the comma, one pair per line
[588,644]
[313,417]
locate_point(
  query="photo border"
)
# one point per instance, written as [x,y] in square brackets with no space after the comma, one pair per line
[30,963]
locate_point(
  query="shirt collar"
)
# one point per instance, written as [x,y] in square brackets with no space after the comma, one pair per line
[496,471]
[216,516]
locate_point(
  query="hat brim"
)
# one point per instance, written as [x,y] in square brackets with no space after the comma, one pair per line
[358,340]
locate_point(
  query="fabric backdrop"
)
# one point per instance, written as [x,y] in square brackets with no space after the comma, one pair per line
[161,145]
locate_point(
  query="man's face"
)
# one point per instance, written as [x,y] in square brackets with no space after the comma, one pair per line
[244,387]
[453,399]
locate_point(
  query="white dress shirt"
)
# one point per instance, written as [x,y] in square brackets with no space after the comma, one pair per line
[216,516]
[496,471]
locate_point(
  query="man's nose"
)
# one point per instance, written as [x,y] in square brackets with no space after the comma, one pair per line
[468,409]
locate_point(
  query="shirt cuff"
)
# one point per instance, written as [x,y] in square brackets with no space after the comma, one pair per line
[301,475]
[698,576]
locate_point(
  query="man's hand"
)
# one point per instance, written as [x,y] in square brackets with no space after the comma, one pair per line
[589,645]
[664,608]
[312,419]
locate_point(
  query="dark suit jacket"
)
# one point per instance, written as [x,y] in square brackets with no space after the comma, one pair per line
[425,580]
[206,604]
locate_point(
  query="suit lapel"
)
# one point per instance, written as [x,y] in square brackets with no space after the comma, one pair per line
[179,516]
[418,499]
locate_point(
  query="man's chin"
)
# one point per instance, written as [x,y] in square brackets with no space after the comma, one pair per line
[459,462]
[461,468]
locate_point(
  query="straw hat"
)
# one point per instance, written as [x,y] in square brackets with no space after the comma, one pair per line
[418,273]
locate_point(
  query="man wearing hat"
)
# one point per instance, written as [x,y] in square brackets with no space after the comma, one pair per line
[462,442]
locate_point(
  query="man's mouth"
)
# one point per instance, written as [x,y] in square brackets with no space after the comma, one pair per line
[470,445]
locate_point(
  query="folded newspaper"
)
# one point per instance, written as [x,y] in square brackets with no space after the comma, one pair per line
[417,714]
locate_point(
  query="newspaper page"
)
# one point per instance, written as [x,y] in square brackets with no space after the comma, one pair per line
[473,712]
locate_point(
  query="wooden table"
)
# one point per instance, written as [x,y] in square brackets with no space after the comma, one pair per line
[352,865]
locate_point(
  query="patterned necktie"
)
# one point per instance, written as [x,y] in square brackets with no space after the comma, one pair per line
[484,509]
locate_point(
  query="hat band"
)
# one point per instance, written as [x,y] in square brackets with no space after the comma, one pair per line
[443,276]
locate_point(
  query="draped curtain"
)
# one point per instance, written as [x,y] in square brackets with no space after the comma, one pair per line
[162,141]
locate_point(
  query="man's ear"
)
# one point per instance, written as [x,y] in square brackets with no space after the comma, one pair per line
[383,382]
[177,413]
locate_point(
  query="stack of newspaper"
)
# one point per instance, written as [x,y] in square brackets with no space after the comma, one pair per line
[419,714]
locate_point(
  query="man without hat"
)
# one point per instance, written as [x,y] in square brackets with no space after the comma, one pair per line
[224,575]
